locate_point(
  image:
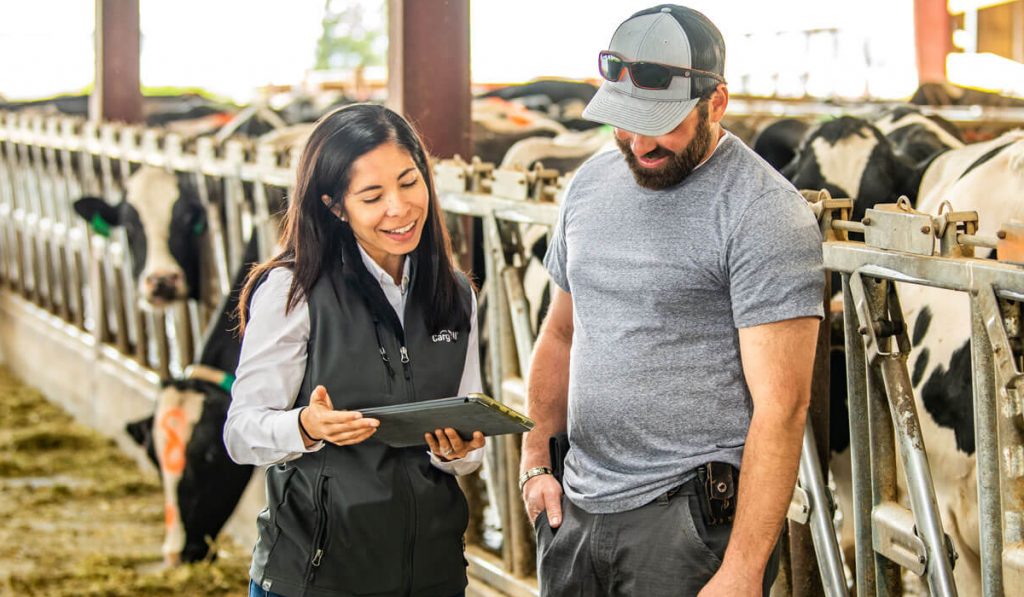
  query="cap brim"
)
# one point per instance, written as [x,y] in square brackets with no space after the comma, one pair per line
[642,116]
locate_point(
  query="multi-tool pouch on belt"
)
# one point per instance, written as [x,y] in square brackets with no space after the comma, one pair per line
[718,492]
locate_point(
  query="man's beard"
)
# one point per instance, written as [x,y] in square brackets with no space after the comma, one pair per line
[679,165]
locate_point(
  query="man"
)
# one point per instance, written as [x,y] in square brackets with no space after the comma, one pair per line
[680,341]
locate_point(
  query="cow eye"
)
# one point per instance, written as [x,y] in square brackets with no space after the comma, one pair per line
[199,227]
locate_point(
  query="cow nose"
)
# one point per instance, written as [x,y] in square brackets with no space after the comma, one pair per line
[163,278]
[163,284]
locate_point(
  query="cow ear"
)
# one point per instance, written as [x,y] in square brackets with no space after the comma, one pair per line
[100,215]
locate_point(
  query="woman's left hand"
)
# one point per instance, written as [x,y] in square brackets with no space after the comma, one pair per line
[448,445]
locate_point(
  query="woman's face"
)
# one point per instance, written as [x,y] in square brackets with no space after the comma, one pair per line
[386,205]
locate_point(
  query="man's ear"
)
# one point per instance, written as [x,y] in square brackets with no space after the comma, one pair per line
[718,102]
[100,215]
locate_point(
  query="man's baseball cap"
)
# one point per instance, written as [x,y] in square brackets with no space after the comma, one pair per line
[665,34]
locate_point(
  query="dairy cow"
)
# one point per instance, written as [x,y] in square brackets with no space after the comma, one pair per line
[987,178]
[916,137]
[778,141]
[850,157]
[164,222]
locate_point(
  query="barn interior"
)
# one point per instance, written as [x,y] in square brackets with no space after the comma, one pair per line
[92,368]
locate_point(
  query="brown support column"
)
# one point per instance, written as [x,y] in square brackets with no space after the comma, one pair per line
[428,71]
[117,95]
[933,33]
[1018,31]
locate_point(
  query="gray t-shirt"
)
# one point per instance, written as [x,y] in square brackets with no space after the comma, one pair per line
[660,282]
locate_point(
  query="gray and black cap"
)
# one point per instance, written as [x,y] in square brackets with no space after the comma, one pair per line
[666,34]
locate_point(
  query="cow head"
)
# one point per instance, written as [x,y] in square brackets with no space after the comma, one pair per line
[851,158]
[917,137]
[164,222]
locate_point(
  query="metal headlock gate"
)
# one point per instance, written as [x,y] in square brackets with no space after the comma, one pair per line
[71,321]
[912,248]
[70,290]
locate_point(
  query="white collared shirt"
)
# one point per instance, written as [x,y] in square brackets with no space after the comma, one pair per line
[262,425]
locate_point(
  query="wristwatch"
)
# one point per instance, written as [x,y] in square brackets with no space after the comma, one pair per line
[531,473]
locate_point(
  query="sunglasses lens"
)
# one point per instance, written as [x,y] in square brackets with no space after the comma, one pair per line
[650,76]
[611,67]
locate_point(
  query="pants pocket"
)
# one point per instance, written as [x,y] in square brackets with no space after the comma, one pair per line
[711,542]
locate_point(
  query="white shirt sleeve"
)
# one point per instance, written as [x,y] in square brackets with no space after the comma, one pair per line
[471,383]
[262,425]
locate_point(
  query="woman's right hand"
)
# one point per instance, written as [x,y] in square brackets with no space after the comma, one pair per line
[339,427]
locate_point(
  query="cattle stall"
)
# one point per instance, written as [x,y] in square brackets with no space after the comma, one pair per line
[68,304]
[905,250]
[72,320]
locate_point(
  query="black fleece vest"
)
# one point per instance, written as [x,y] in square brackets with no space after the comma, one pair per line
[367,519]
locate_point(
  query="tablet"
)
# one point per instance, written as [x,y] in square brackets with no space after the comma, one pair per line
[404,425]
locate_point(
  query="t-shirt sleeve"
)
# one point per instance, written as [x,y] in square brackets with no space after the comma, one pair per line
[774,262]
[555,258]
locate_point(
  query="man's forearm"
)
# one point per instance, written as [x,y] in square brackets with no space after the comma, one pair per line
[547,392]
[767,477]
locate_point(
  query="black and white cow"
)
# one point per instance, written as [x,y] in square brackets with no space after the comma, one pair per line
[987,178]
[165,222]
[917,137]
[850,157]
[778,141]
[560,99]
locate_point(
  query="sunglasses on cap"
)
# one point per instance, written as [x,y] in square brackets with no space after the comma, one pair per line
[646,75]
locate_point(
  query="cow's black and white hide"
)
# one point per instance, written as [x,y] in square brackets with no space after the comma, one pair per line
[850,157]
[778,141]
[558,99]
[564,153]
[202,485]
[988,179]
[164,221]
[498,124]
[915,136]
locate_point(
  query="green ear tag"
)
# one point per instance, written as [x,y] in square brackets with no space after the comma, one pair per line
[100,226]
[227,382]
[198,228]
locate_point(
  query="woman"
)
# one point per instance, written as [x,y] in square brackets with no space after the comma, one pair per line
[347,317]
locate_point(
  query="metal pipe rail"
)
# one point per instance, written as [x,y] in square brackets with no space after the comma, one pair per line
[877,345]
[50,257]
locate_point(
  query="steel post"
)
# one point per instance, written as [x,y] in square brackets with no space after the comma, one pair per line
[826,548]
[860,442]
[987,446]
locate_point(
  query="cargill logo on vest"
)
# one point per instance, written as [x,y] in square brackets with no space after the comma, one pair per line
[445,336]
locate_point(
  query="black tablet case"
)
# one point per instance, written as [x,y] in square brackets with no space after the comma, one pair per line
[404,425]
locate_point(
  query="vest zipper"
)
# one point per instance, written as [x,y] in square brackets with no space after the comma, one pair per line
[410,391]
[390,373]
[320,501]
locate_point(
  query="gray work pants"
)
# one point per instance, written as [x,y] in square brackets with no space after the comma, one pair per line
[660,549]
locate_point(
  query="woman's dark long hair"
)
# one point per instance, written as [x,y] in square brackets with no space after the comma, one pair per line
[314,240]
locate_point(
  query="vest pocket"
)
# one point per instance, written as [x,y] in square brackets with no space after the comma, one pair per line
[294,525]
[359,541]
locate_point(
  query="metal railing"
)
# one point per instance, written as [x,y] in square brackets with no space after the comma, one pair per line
[51,258]
[905,247]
